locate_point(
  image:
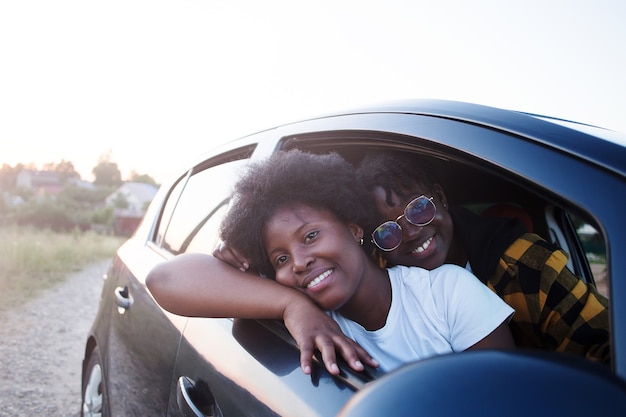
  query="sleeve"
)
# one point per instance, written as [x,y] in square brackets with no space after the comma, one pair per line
[470,309]
[556,309]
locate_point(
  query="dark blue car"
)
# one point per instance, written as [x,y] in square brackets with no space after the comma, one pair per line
[569,178]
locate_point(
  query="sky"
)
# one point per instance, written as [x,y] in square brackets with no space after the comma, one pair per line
[150,84]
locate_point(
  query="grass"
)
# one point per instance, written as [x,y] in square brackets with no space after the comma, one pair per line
[33,260]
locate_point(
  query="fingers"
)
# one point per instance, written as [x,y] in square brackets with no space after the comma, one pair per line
[231,257]
[306,353]
[350,351]
[314,330]
[329,358]
[355,356]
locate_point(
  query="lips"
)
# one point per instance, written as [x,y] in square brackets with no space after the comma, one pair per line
[321,277]
[423,246]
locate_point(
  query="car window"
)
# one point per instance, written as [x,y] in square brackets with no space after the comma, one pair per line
[595,252]
[168,209]
[205,240]
[495,188]
[203,193]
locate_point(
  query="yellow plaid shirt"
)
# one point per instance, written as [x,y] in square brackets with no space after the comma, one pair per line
[554,309]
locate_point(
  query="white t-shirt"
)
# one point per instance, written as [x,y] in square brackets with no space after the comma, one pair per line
[432,312]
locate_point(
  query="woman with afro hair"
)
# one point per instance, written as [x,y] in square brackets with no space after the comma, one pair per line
[297,219]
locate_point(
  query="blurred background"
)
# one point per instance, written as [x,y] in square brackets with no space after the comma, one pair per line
[148,83]
[100,102]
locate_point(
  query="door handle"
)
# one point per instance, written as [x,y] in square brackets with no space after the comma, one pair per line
[195,399]
[123,299]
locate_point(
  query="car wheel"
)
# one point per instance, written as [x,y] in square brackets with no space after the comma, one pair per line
[94,392]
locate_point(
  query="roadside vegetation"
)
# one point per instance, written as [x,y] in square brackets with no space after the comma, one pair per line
[53,223]
[57,198]
[33,260]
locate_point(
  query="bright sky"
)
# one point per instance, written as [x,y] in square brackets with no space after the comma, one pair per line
[155,82]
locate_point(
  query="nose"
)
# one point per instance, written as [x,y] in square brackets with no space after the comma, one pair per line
[302,260]
[409,230]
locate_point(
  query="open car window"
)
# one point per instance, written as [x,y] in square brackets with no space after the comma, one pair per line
[485,189]
[594,248]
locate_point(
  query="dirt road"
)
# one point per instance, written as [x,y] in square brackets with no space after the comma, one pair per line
[41,347]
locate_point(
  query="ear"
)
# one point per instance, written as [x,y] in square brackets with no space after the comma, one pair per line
[440,196]
[356,231]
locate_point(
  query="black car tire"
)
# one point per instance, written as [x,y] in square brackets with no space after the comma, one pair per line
[93,390]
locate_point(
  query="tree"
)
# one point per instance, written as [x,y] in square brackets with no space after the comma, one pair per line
[8,176]
[143,178]
[65,169]
[47,214]
[88,197]
[106,172]
[120,201]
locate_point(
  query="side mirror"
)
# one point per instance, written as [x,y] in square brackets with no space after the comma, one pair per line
[494,383]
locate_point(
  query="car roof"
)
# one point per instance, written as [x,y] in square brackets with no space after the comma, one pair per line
[603,147]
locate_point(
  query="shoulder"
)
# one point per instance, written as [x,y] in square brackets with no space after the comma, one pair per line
[401,272]
[528,240]
[451,274]
[445,276]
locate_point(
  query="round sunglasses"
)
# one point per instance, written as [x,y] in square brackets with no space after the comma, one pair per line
[419,212]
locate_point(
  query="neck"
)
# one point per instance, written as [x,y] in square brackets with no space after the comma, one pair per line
[456,253]
[371,303]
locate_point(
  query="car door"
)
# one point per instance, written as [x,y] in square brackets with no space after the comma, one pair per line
[142,339]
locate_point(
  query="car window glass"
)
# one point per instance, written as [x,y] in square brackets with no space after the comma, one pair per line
[208,235]
[203,193]
[168,209]
[595,251]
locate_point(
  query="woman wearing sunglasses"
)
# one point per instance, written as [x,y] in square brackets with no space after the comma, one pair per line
[287,221]
[555,310]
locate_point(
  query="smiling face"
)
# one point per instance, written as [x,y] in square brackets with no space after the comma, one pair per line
[424,246]
[314,252]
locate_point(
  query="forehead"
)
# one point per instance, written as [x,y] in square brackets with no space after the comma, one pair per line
[292,213]
[398,194]
[289,219]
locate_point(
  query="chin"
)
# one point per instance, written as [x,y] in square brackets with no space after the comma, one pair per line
[426,262]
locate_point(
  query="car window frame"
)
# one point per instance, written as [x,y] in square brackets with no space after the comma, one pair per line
[169,208]
[566,238]
[527,156]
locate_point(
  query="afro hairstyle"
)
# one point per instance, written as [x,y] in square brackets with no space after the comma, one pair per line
[286,179]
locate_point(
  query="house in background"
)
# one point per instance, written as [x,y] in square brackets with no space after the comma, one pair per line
[41,182]
[47,183]
[136,196]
